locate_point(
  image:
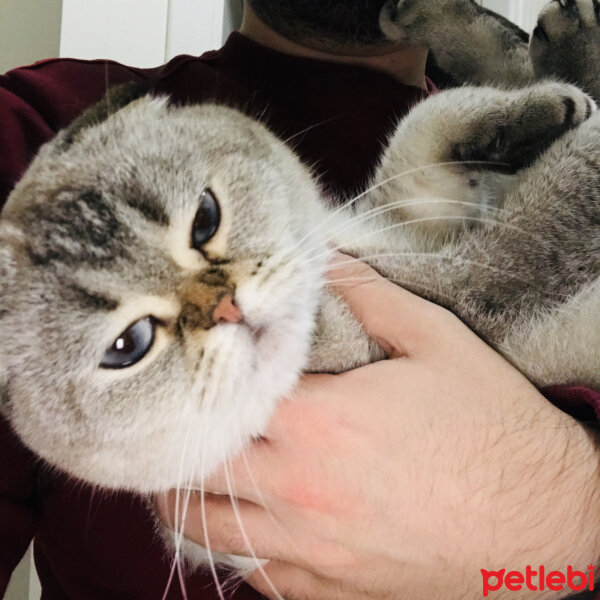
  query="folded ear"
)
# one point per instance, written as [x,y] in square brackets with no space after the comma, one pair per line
[116,98]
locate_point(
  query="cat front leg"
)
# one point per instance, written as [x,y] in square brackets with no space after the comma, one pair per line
[470,43]
[452,160]
[566,44]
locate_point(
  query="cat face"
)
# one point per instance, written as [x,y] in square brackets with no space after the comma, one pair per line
[159,289]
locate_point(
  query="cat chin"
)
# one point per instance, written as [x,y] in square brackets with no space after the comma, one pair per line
[193,556]
[198,556]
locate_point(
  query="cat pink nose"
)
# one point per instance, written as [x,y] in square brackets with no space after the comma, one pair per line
[227,311]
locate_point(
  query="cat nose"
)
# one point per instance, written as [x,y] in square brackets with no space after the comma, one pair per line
[227,311]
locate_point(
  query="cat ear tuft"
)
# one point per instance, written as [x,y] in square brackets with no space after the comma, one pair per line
[116,98]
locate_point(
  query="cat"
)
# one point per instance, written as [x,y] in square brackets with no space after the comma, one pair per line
[151,318]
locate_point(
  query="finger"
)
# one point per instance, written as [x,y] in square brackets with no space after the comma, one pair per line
[299,424]
[396,319]
[281,580]
[249,476]
[262,470]
[228,526]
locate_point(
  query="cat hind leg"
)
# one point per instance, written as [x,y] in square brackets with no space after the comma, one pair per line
[565,44]
[470,43]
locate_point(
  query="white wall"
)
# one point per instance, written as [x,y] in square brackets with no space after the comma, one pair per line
[234,10]
[24,583]
[522,12]
[132,32]
[29,31]
[525,12]
[499,6]
[145,33]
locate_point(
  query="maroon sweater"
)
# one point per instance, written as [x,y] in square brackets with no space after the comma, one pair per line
[94,545]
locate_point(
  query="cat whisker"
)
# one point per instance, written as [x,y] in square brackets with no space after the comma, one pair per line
[199,454]
[178,523]
[180,514]
[238,518]
[171,577]
[307,129]
[263,500]
[189,488]
[351,202]
[351,280]
[175,568]
[421,288]
[418,221]
[412,202]
[352,221]
[207,545]
[430,255]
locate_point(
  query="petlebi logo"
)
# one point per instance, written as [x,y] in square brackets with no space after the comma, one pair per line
[538,580]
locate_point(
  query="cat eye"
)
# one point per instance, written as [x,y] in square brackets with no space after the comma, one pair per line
[206,221]
[131,346]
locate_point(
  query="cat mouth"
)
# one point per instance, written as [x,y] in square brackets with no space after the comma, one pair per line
[257,333]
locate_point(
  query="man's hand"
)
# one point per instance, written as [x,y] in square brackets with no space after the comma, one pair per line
[405,478]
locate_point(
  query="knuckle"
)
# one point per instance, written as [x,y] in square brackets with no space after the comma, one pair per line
[441,319]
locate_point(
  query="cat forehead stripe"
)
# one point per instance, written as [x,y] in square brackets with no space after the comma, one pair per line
[81,228]
[88,299]
[148,206]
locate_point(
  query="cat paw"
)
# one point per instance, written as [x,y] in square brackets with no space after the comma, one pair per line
[565,43]
[514,136]
[566,18]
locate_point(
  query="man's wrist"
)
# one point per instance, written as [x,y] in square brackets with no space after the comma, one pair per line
[561,528]
[582,476]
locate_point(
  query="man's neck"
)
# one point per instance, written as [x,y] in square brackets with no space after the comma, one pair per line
[407,65]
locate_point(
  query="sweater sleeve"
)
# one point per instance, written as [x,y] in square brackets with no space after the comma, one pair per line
[22,131]
[580,402]
[35,102]
[18,516]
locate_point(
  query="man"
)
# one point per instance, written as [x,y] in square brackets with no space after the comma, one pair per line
[337,113]
[442,484]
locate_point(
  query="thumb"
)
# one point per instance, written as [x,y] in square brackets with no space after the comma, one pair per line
[396,319]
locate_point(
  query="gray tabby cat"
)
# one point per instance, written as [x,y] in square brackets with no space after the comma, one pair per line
[151,316]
